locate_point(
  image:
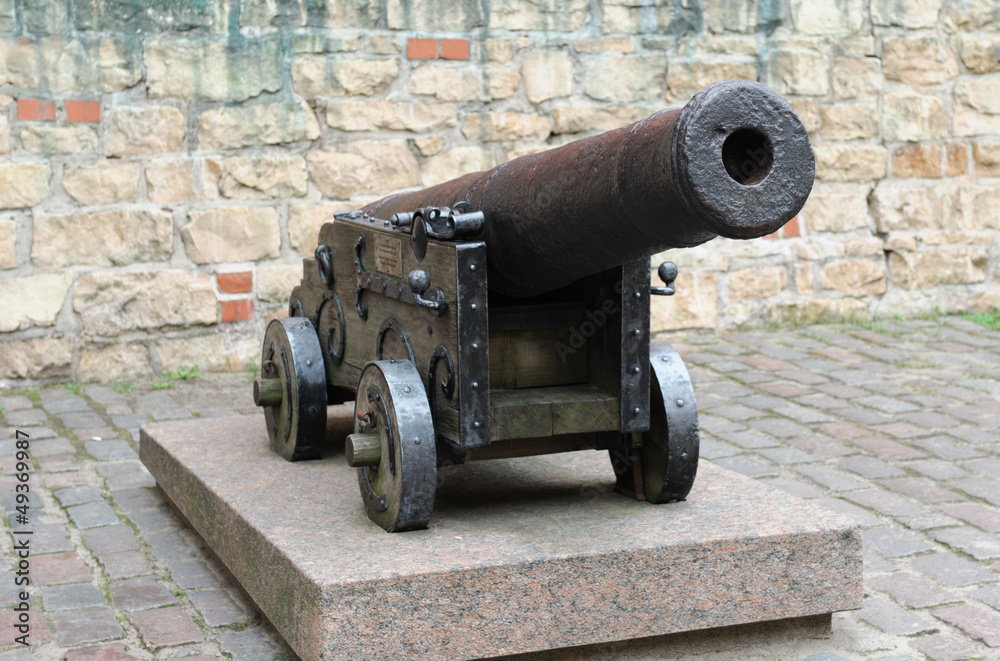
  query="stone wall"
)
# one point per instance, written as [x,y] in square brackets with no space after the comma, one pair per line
[165,165]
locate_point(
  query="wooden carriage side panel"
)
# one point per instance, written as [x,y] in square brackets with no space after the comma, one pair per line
[380,319]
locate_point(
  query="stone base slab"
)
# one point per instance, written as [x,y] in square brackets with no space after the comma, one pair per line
[521,554]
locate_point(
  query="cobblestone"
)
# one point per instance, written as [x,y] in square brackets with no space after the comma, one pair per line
[166,626]
[137,594]
[840,416]
[68,597]
[59,568]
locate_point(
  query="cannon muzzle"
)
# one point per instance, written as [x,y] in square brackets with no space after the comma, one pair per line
[734,162]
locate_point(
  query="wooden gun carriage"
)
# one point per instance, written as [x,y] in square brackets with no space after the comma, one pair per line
[506,313]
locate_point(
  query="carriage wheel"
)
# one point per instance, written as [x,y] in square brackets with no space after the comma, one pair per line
[292,388]
[669,453]
[393,446]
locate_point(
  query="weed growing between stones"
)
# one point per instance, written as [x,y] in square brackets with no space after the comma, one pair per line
[990,320]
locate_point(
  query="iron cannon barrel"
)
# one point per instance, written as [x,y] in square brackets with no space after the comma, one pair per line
[734,162]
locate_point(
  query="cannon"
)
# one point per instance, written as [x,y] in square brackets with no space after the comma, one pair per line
[506,313]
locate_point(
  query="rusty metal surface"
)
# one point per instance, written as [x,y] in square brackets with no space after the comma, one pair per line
[735,162]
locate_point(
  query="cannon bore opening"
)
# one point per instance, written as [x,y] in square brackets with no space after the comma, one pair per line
[747,155]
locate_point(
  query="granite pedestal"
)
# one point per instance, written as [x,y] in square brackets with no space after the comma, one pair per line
[521,554]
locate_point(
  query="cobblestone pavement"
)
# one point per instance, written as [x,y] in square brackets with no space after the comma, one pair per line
[896,425]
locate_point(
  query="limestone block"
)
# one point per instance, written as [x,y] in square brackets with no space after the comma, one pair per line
[619,20]
[367,167]
[624,79]
[806,110]
[685,79]
[8,243]
[930,160]
[430,145]
[4,131]
[912,14]
[824,17]
[110,304]
[170,181]
[447,83]
[103,238]
[850,162]
[261,177]
[71,65]
[385,115]
[384,44]
[33,300]
[726,16]
[304,223]
[968,122]
[960,15]
[275,283]
[839,208]
[143,131]
[105,183]
[365,77]
[232,127]
[117,362]
[757,282]
[43,358]
[433,15]
[209,176]
[8,16]
[503,84]
[981,54]
[798,71]
[979,206]
[576,119]
[817,310]
[55,140]
[500,126]
[952,238]
[336,76]
[913,117]
[897,206]
[849,121]
[455,162]
[24,184]
[499,50]
[987,155]
[607,45]
[987,301]
[231,234]
[864,244]
[559,15]
[709,44]
[915,270]
[918,60]
[898,241]
[697,308]
[548,74]
[857,78]
[856,277]
[220,351]
[804,279]
[981,93]
[208,70]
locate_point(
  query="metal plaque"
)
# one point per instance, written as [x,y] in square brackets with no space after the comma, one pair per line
[388,255]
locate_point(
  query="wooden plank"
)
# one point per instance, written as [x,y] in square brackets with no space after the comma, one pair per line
[519,413]
[531,357]
[583,409]
[530,447]
[537,412]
